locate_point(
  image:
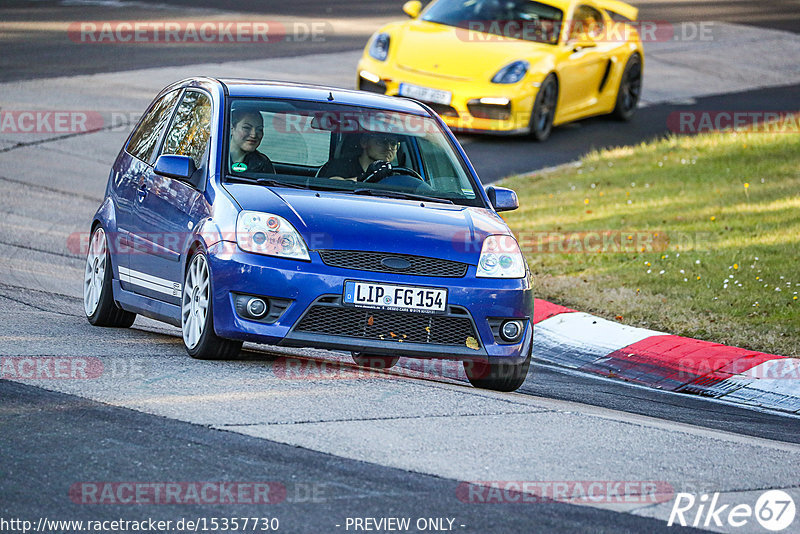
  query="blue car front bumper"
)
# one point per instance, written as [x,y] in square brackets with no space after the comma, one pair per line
[315,316]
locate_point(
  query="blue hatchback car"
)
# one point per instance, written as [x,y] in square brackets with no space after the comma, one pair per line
[308,216]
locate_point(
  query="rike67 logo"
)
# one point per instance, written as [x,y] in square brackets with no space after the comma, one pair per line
[774,510]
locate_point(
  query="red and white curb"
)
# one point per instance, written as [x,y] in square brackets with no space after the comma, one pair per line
[577,340]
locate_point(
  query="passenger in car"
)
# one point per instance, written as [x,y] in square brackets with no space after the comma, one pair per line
[247,130]
[377,151]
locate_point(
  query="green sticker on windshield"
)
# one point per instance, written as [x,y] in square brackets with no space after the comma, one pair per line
[239,167]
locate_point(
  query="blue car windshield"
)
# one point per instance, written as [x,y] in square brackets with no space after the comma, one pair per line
[507,19]
[318,145]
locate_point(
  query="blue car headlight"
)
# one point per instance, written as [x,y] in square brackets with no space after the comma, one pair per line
[268,234]
[511,73]
[501,258]
[379,48]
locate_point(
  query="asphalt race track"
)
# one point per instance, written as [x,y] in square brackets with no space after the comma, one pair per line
[35,43]
[334,442]
[322,490]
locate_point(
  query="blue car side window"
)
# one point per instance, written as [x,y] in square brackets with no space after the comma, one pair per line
[144,140]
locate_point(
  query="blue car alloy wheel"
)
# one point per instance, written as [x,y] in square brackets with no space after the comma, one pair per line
[197,323]
[315,217]
[98,300]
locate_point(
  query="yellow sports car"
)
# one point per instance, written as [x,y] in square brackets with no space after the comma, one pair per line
[510,66]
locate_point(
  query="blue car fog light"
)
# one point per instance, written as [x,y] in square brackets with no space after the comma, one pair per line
[508,330]
[511,330]
[261,309]
[256,307]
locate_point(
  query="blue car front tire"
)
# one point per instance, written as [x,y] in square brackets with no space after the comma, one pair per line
[497,376]
[197,317]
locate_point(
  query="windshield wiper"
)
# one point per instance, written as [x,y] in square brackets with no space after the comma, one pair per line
[398,194]
[270,182]
[239,178]
[278,183]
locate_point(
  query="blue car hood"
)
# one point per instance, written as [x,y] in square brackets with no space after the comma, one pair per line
[337,221]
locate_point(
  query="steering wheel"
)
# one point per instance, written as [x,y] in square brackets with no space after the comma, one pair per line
[397,170]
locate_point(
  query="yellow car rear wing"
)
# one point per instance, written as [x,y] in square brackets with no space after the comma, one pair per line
[620,8]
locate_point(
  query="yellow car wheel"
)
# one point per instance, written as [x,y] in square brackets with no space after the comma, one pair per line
[544,109]
[630,89]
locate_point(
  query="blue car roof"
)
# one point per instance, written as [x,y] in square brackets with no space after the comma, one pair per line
[318,93]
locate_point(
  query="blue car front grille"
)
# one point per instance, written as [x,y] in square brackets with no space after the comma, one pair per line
[374,261]
[333,319]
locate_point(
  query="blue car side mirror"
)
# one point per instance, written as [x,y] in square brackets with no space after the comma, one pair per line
[178,167]
[502,199]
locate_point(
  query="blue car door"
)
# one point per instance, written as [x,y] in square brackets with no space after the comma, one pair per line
[128,177]
[166,211]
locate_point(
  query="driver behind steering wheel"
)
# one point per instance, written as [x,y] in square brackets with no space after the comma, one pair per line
[372,164]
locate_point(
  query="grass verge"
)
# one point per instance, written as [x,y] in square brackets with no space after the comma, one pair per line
[695,236]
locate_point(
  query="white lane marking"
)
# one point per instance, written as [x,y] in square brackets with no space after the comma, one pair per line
[147,281]
[772,384]
[778,368]
[116,3]
[576,338]
[719,400]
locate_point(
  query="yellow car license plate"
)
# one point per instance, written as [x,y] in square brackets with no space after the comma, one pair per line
[426,94]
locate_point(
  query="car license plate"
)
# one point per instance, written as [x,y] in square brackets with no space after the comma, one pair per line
[394,297]
[426,94]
